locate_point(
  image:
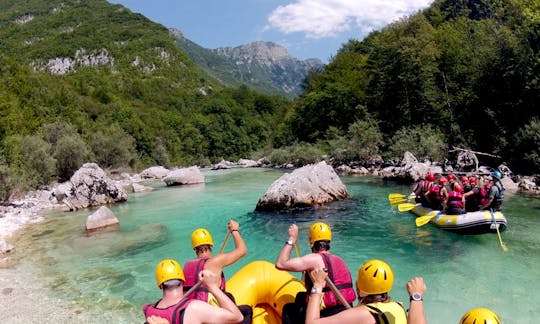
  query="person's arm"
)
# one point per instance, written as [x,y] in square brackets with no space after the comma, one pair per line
[218,262]
[353,315]
[416,313]
[283,261]
[202,312]
[491,196]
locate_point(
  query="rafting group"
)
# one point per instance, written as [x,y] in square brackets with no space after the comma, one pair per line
[454,197]
[199,293]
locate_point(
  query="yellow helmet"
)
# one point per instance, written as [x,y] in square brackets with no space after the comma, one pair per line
[374,277]
[201,236]
[480,315]
[319,231]
[168,269]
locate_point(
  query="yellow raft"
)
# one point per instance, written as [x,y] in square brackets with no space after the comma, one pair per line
[265,288]
[478,222]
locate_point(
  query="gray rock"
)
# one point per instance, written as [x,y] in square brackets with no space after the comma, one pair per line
[102,218]
[155,172]
[89,187]
[140,188]
[509,185]
[223,165]
[191,175]
[5,247]
[245,163]
[311,185]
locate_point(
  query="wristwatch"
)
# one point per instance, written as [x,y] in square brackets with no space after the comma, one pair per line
[416,297]
[289,242]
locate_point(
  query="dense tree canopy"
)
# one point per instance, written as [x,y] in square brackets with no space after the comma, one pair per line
[466,69]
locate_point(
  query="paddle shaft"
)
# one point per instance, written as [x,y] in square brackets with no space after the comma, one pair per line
[338,294]
[225,242]
[192,289]
[503,245]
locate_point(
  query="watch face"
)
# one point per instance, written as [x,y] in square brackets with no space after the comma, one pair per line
[416,296]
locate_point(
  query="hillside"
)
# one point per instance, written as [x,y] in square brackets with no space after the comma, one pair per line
[89,80]
[265,66]
[460,73]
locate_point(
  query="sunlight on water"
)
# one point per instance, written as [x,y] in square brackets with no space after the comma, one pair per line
[113,272]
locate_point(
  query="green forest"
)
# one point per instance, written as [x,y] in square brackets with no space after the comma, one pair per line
[460,73]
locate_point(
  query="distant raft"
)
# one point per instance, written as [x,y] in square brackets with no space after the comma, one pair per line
[471,223]
[265,288]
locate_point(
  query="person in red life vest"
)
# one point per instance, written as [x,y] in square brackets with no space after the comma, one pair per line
[202,243]
[455,202]
[374,282]
[451,181]
[473,196]
[484,193]
[421,188]
[437,194]
[320,236]
[173,308]
[465,184]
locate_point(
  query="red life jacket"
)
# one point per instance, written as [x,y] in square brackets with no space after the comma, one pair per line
[422,187]
[191,272]
[435,192]
[340,276]
[455,199]
[483,196]
[174,313]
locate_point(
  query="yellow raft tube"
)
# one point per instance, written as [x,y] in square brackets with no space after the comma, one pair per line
[265,288]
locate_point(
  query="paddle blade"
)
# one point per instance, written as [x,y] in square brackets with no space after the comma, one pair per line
[503,245]
[423,220]
[405,207]
[396,195]
[398,201]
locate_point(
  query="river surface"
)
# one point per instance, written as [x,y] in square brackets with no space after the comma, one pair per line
[112,273]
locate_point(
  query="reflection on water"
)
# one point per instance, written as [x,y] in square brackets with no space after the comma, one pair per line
[113,272]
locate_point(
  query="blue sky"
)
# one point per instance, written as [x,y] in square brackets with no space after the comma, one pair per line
[307,28]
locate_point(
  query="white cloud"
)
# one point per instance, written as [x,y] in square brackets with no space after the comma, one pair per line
[327,18]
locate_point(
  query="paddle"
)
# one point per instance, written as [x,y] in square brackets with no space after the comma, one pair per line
[328,282]
[336,291]
[422,220]
[406,207]
[225,242]
[397,201]
[398,195]
[192,289]
[503,245]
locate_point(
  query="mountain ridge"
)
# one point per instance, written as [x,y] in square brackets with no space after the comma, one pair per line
[265,66]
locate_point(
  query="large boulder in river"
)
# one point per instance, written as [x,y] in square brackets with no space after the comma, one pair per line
[191,175]
[311,185]
[89,187]
[101,219]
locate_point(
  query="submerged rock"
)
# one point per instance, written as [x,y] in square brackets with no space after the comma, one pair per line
[102,218]
[311,185]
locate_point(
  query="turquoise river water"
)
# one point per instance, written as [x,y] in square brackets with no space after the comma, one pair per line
[112,274]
